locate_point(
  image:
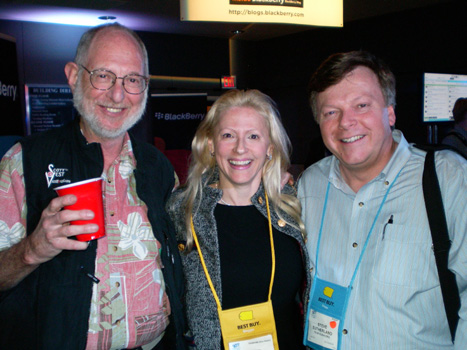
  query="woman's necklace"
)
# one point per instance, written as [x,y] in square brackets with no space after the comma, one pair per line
[224,202]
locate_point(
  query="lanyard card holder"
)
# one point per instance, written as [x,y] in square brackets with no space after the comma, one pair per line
[249,327]
[328,301]
[326,312]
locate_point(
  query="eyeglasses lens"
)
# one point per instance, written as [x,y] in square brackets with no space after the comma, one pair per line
[104,80]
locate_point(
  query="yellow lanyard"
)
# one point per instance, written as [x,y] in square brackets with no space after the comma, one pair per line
[208,277]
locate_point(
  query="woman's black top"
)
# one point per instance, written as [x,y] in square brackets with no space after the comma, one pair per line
[246,263]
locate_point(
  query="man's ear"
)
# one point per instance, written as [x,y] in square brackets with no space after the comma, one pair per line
[391,116]
[71,72]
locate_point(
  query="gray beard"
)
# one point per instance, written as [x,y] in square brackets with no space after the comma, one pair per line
[92,121]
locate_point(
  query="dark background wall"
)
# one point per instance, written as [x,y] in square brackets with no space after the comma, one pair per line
[44,49]
[430,39]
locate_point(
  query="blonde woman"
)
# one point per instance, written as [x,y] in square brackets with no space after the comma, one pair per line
[232,257]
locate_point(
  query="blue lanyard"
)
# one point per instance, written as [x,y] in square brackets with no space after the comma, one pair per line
[348,289]
[367,238]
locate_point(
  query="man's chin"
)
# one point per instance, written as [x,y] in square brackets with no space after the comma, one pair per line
[107,132]
[110,134]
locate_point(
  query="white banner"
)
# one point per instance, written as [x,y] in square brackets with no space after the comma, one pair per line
[305,12]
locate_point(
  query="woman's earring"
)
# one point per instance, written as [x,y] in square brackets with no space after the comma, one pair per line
[269,156]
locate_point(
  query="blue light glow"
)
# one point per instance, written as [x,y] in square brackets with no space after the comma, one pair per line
[73,16]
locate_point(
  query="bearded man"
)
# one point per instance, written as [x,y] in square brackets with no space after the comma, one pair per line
[124,290]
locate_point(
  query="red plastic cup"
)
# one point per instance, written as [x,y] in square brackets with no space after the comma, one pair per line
[89,195]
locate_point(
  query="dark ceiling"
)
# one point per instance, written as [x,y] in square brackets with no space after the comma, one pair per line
[164,15]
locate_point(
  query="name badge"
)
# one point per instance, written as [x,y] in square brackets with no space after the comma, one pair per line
[326,311]
[261,343]
[249,327]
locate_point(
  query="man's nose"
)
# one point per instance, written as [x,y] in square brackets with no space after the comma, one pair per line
[117,91]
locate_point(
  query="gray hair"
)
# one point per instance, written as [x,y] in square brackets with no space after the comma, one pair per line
[86,40]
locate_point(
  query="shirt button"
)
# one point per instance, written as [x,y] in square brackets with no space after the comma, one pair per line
[112,213]
[361,204]
[260,200]
[344,331]
[109,181]
[181,247]
[281,223]
[311,269]
[115,248]
[355,244]
[386,182]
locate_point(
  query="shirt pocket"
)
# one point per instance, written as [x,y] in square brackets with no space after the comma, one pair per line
[404,257]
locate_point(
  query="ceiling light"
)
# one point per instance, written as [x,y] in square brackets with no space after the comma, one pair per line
[107,18]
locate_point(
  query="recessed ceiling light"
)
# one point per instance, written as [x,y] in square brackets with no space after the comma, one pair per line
[238,31]
[107,18]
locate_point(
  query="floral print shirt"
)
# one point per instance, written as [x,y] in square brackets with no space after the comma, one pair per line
[129,306]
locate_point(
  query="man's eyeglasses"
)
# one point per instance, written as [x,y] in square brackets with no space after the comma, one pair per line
[103,79]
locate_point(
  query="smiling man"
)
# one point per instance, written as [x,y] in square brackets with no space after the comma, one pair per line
[124,290]
[375,283]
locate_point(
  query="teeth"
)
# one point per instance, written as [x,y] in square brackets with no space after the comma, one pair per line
[240,162]
[114,110]
[352,139]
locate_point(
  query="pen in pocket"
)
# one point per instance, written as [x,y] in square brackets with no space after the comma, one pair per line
[390,221]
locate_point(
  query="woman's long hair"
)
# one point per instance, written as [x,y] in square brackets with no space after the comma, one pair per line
[202,170]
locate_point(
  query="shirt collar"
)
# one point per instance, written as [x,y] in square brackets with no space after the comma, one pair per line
[126,155]
[335,177]
[398,159]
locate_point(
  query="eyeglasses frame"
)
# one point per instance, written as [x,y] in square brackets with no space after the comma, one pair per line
[115,80]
